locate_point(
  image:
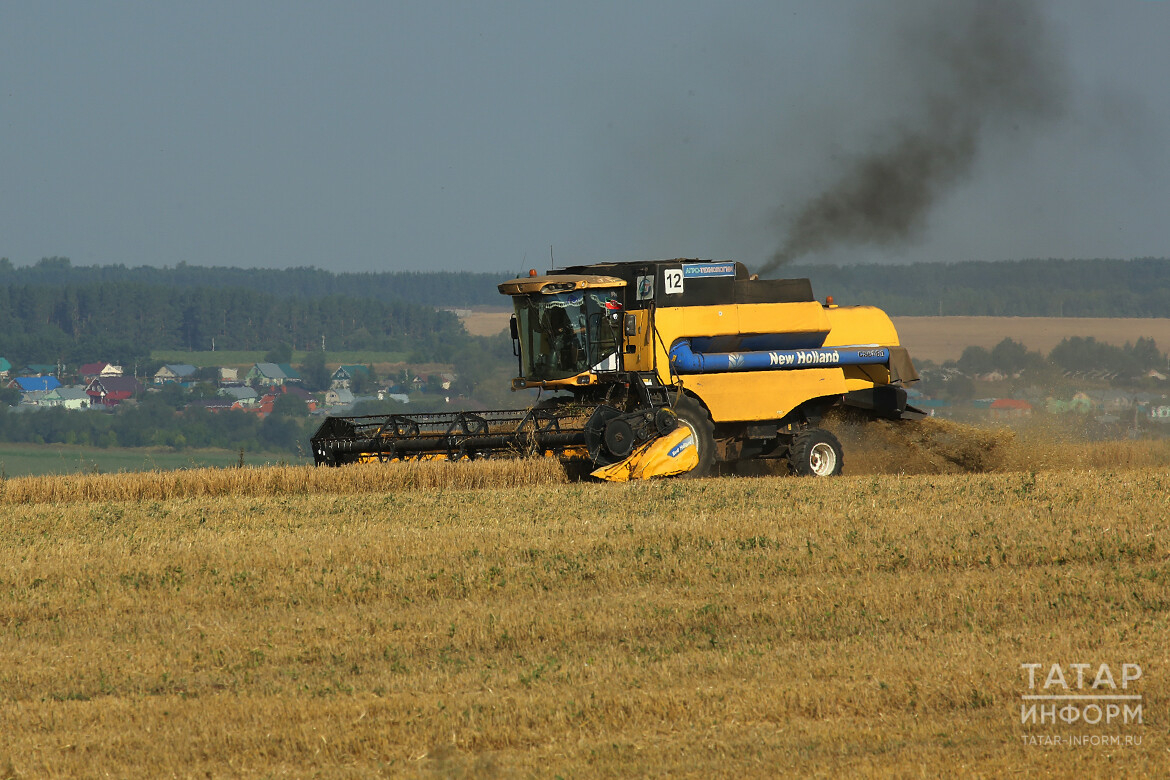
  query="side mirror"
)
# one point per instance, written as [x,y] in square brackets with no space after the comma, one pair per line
[514,329]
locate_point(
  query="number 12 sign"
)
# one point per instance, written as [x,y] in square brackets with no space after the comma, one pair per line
[672,281]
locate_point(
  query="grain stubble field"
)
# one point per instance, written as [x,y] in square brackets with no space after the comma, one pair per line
[871,624]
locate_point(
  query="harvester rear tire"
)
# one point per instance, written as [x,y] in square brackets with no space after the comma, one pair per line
[815,453]
[695,416]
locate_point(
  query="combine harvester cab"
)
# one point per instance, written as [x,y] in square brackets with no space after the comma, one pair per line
[663,368]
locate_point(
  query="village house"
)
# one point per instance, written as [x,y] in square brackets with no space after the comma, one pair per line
[343,376]
[229,377]
[1078,404]
[269,400]
[338,396]
[271,375]
[401,398]
[1113,401]
[112,390]
[91,371]
[34,384]
[246,397]
[33,398]
[5,367]
[181,373]
[432,382]
[74,398]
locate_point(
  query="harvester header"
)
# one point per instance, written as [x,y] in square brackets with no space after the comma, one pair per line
[661,368]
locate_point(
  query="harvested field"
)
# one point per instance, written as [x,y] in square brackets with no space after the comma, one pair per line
[513,625]
[482,321]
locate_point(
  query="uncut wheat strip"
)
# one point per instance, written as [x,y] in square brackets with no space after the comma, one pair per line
[279,480]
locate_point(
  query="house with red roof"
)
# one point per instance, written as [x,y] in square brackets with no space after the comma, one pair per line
[267,401]
[112,390]
[91,371]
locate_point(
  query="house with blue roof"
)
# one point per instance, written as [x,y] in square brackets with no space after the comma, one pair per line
[28,384]
[35,384]
[5,367]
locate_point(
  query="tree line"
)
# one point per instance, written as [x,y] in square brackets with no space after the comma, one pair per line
[124,321]
[1074,357]
[433,288]
[1036,287]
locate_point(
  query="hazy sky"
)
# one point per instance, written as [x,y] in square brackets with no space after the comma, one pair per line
[474,135]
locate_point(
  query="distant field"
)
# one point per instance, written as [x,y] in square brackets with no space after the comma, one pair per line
[867,625]
[945,338]
[482,321]
[29,459]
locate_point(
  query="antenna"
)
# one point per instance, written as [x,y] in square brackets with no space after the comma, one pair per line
[552,264]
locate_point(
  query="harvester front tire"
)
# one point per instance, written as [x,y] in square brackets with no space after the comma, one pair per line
[693,415]
[815,453]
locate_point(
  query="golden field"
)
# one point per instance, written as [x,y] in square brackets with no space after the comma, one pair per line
[489,619]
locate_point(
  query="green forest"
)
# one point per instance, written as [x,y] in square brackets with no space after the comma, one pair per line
[1037,287]
[124,321]
[435,288]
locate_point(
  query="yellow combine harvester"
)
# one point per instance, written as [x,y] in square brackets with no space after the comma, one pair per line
[663,368]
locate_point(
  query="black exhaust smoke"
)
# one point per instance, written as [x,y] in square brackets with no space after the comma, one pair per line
[986,69]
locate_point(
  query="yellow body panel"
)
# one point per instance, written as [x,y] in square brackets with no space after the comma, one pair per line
[762,395]
[862,377]
[840,326]
[860,325]
[674,453]
[641,358]
[768,395]
[807,317]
